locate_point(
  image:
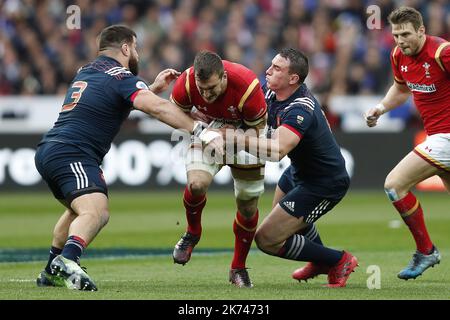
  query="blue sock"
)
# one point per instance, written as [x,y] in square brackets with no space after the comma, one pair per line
[53,253]
[73,248]
[299,248]
[311,233]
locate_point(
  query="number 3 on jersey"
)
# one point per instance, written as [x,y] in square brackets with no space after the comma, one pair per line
[73,95]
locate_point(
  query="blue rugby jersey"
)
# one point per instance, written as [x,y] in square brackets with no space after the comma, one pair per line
[96,104]
[317,157]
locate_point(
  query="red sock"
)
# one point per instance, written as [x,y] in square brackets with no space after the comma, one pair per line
[411,212]
[194,206]
[244,230]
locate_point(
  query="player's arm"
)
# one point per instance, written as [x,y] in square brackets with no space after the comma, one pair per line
[397,94]
[274,149]
[163,110]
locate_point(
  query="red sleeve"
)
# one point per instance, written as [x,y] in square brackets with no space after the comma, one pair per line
[293,130]
[395,54]
[180,95]
[254,108]
[444,57]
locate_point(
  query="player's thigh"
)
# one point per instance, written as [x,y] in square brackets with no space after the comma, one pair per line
[69,172]
[248,181]
[93,203]
[411,170]
[277,227]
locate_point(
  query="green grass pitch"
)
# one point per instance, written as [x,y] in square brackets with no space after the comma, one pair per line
[363,223]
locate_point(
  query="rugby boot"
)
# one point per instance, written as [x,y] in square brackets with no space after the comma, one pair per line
[338,274]
[240,278]
[309,271]
[46,279]
[183,249]
[419,263]
[72,274]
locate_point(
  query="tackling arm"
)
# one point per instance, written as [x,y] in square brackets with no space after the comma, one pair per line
[163,110]
[274,149]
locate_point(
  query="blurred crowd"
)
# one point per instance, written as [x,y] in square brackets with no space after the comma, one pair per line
[39,54]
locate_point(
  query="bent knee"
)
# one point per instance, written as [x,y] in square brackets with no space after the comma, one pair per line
[104,218]
[394,189]
[391,182]
[247,208]
[264,241]
[198,188]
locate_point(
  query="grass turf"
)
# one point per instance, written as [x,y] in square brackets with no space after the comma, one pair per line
[361,223]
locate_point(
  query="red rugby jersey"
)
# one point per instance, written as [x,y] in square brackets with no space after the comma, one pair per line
[242,100]
[427,76]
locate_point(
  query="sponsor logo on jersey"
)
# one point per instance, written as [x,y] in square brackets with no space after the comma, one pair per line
[421,87]
[404,68]
[300,119]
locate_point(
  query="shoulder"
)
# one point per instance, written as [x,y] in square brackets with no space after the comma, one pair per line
[304,100]
[438,49]
[434,43]
[181,80]
[238,74]
[305,104]
[436,46]
[183,85]
[396,54]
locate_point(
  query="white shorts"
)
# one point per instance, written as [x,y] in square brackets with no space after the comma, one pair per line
[244,188]
[436,150]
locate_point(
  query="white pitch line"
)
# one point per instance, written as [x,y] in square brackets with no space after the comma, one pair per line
[106,280]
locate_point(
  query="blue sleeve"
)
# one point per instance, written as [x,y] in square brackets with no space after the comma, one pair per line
[127,87]
[297,118]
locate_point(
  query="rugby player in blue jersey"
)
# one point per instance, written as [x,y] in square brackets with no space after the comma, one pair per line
[99,99]
[312,185]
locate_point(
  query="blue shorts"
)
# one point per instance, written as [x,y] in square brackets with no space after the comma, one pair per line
[310,200]
[68,171]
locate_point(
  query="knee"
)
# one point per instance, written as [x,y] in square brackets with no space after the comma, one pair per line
[247,208]
[391,183]
[394,188]
[264,241]
[103,218]
[198,188]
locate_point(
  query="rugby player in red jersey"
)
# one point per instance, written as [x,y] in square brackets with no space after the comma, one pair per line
[218,91]
[421,66]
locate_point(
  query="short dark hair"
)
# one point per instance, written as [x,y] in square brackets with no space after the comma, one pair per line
[299,62]
[206,64]
[404,15]
[114,36]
